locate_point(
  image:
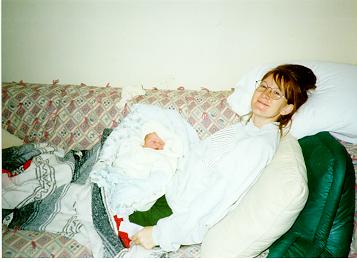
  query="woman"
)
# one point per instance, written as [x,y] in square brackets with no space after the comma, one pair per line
[222,168]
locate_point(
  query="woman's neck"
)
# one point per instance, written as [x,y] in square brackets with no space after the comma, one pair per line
[261,121]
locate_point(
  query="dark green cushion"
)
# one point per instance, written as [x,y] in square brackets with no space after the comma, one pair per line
[325,225]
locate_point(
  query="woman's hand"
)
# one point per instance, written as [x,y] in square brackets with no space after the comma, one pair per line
[144,238]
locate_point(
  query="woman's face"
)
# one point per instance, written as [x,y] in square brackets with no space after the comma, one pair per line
[265,108]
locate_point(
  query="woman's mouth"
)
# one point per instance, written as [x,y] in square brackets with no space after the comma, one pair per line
[261,102]
[261,105]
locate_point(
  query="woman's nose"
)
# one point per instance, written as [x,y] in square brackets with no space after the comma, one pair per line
[267,92]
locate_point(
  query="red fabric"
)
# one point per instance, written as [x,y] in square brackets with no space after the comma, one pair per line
[4,171]
[17,171]
[27,164]
[122,235]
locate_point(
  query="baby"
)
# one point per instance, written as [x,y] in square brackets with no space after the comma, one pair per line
[153,149]
[152,140]
[143,167]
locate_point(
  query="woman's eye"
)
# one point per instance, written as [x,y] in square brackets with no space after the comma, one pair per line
[277,93]
[263,88]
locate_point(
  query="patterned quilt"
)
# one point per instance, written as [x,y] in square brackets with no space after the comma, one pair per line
[56,196]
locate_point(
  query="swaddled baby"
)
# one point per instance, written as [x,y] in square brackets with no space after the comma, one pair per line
[155,149]
[145,165]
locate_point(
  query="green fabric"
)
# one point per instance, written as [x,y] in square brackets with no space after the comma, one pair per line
[325,225]
[149,218]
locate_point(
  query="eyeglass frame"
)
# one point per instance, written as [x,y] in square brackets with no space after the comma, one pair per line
[258,84]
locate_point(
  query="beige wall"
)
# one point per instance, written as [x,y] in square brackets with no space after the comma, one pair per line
[169,43]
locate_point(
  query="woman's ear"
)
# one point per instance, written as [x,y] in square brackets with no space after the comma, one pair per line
[286,109]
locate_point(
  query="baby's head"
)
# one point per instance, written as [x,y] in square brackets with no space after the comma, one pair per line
[152,140]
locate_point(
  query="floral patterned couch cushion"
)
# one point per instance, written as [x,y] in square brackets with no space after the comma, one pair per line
[21,243]
[70,116]
[207,111]
[74,116]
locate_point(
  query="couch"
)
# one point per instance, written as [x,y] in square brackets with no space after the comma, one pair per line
[73,117]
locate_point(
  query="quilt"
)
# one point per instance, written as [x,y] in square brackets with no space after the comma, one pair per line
[54,195]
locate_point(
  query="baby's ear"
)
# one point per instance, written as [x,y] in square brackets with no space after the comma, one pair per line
[287,109]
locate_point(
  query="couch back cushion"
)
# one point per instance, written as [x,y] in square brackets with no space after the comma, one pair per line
[74,116]
[69,116]
[207,111]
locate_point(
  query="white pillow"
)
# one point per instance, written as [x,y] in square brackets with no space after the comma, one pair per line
[331,107]
[9,140]
[268,209]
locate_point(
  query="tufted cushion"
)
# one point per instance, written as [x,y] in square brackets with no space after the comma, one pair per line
[267,211]
[69,116]
[205,110]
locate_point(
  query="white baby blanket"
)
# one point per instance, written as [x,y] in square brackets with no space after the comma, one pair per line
[126,193]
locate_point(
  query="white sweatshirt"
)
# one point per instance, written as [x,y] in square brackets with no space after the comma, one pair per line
[218,172]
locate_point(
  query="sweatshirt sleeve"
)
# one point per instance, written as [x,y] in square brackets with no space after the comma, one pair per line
[230,179]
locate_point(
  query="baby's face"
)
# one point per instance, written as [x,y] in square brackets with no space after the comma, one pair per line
[152,140]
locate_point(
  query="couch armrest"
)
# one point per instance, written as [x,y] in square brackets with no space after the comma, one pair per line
[324,227]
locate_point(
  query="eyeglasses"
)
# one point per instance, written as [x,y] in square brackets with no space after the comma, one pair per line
[274,93]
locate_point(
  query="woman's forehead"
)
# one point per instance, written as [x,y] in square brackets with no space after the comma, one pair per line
[270,81]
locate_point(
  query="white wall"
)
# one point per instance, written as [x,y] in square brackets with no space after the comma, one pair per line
[169,43]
